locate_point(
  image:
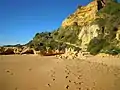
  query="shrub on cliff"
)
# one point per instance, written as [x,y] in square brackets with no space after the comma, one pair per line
[44,41]
[96,45]
[68,34]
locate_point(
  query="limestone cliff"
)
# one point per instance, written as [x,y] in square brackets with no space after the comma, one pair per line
[84,14]
[87,34]
[83,17]
[98,20]
[94,28]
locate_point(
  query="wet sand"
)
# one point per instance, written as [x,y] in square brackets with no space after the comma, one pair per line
[28,72]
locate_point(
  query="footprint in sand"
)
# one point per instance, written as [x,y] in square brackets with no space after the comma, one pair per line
[52,71]
[70,81]
[16,88]
[80,83]
[30,69]
[75,83]
[9,72]
[67,87]
[68,72]
[66,77]
[53,79]
[87,89]
[52,75]
[79,77]
[79,88]
[49,85]
[65,71]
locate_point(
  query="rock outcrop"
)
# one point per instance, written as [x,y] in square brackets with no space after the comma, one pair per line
[70,53]
[84,15]
[6,51]
[87,34]
[96,22]
[27,51]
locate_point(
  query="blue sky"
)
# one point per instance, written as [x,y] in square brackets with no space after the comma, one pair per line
[20,20]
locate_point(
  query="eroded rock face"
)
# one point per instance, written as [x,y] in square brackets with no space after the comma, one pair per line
[17,50]
[6,51]
[84,14]
[88,33]
[70,53]
[28,50]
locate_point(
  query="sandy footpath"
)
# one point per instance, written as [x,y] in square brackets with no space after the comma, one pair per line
[28,72]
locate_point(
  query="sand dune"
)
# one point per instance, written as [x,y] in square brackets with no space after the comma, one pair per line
[29,72]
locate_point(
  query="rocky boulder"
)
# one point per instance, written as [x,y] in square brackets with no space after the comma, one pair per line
[6,51]
[28,51]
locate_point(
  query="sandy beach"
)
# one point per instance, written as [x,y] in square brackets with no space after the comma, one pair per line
[29,72]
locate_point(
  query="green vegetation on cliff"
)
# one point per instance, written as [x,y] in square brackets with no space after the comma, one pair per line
[68,34]
[47,41]
[109,27]
[44,41]
[109,22]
